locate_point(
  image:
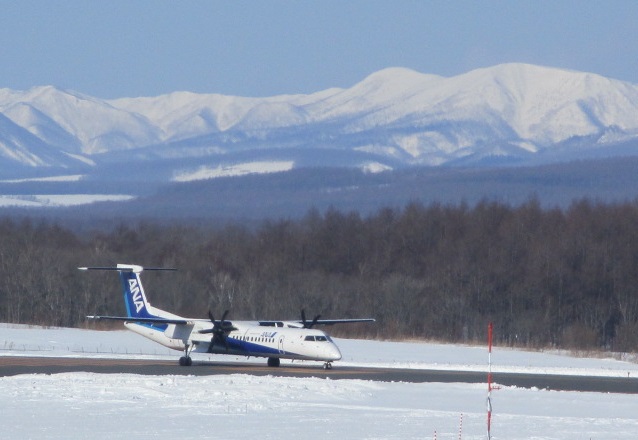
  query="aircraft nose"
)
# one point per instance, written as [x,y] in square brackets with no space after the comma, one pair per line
[333,352]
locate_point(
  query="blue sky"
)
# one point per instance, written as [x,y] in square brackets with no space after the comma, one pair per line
[120,48]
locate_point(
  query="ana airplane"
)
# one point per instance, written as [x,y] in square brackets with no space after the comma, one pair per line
[274,340]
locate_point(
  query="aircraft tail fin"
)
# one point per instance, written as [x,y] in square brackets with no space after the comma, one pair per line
[135,300]
[137,306]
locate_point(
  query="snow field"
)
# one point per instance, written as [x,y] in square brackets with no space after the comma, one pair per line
[125,406]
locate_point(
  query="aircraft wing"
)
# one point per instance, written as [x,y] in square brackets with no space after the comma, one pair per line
[342,321]
[320,321]
[151,320]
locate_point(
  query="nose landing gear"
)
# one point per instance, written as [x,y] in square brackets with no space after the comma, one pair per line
[327,366]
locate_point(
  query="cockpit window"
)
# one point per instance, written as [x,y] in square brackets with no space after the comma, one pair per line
[316,338]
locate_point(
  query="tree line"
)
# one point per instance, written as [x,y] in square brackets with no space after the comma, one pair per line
[545,277]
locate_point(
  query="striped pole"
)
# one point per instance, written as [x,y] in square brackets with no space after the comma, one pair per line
[490,328]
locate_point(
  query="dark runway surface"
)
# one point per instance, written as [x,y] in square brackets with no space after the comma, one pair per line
[10,366]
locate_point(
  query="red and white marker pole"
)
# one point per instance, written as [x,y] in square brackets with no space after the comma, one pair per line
[490,328]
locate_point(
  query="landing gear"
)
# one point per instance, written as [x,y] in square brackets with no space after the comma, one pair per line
[273,362]
[186,361]
[327,366]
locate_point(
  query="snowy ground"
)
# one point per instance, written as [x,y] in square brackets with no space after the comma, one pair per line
[83,405]
[58,200]
[241,169]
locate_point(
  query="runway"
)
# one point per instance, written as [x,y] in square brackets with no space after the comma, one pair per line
[11,366]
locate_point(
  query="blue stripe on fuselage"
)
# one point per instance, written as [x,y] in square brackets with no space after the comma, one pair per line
[246,348]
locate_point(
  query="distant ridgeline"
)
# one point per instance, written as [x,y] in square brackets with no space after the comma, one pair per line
[291,194]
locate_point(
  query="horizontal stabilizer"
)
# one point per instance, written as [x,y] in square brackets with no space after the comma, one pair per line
[126,268]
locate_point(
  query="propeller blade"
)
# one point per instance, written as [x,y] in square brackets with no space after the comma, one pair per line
[219,330]
[220,339]
[306,324]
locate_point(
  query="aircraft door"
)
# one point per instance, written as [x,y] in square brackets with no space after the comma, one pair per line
[280,344]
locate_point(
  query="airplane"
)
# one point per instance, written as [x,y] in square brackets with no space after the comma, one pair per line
[275,340]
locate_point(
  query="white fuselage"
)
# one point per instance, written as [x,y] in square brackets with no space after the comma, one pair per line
[249,338]
[274,340]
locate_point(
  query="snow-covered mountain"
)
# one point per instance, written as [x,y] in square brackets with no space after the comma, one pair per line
[510,113]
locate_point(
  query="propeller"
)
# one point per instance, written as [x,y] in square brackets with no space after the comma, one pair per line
[307,324]
[220,330]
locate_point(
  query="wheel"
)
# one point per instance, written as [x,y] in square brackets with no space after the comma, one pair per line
[327,366]
[273,362]
[185,361]
[189,361]
[182,361]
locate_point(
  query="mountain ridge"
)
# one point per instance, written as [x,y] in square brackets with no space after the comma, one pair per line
[396,117]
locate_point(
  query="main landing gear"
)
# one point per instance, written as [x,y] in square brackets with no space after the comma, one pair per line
[186,361]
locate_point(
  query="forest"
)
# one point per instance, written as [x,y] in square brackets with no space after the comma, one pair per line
[562,277]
